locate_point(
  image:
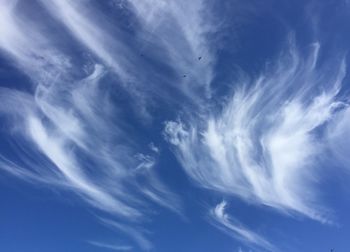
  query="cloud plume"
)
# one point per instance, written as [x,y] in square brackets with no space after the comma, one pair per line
[264,143]
[227,224]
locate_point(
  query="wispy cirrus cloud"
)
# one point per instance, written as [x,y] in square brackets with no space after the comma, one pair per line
[182,29]
[338,136]
[227,224]
[93,71]
[171,34]
[138,235]
[81,21]
[264,143]
[69,131]
[109,246]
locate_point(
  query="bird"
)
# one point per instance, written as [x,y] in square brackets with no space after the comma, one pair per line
[199,58]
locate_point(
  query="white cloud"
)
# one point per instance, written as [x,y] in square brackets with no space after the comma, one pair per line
[21,39]
[80,19]
[233,228]
[180,28]
[110,246]
[338,136]
[154,148]
[69,131]
[137,234]
[263,145]
[172,34]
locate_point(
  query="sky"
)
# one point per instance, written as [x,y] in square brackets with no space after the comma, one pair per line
[174,125]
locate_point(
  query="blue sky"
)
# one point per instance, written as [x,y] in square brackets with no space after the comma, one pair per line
[174,125]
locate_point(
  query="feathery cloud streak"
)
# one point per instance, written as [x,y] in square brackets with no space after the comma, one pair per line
[263,145]
[70,130]
[188,45]
[223,221]
[110,246]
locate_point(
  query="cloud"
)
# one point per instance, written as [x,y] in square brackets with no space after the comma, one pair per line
[80,20]
[21,39]
[224,222]
[181,29]
[138,235]
[110,246]
[69,130]
[338,136]
[262,146]
[98,77]
[172,35]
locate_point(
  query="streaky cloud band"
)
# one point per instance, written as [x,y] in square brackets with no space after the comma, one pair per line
[264,143]
[227,224]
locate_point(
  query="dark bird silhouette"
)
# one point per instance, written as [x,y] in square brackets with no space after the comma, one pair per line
[199,58]
[184,75]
